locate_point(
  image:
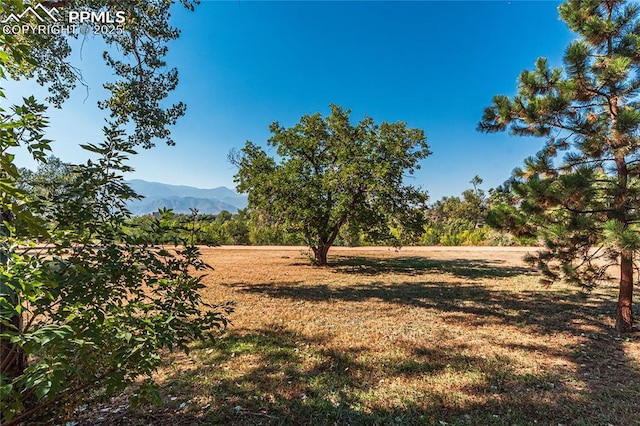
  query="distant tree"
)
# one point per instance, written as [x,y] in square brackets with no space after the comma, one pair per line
[476,182]
[584,207]
[223,216]
[456,220]
[237,228]
[331,172]
[471,207]
[49,175]
[51,180]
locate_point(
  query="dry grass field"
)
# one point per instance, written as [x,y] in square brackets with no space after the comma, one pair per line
[418,336]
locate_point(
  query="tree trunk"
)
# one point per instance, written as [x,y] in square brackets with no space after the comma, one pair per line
[13,361]
[320,255]
[624,322]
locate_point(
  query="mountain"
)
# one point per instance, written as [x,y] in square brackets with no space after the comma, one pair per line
[182,198]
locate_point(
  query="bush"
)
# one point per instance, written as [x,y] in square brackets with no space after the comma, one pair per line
[92,309]
[500,238]
[477,237]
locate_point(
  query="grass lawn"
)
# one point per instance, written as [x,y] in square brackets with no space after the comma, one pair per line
[419,336]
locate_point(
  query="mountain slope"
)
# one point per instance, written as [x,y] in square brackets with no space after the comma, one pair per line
[182,198]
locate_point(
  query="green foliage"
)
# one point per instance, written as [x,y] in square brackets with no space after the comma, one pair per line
[237,229]
[456,221]
[85,312]
[95,286]
[166,227]
[450,221]
[242,228]
[332,172]
[583,206]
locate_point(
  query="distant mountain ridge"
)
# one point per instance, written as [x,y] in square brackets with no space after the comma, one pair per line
[182,198]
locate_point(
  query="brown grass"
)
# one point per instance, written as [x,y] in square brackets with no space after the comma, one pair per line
[411,337]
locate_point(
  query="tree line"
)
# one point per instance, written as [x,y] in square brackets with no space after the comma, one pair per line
[466,220]
[473,218]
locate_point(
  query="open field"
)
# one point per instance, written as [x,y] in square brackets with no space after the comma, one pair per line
[419,336]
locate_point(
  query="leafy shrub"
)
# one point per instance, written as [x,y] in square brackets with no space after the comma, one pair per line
[92,307]
[500,238]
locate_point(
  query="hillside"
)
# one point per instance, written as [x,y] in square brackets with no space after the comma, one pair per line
[182,198]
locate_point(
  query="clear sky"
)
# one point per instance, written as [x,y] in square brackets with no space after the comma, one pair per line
[243,65]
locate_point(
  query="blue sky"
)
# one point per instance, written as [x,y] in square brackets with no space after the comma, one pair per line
[243,65]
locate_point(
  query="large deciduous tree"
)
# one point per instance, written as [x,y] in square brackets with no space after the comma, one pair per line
[584,206]
[331,172]
[86,313]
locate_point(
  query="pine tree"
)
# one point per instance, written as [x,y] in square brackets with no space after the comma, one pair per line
[584,206]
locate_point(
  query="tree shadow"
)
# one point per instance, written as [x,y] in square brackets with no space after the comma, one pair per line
[296,379]
[275,375]
[607,374]
[417,265]
[479,304]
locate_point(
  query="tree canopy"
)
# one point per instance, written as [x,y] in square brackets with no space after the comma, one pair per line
[584,206]
[90,307]
[330,172]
